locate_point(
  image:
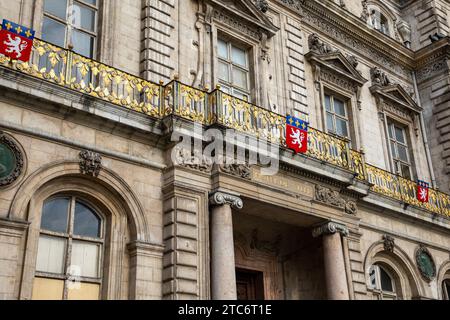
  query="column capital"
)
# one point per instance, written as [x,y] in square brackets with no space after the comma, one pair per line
[330,228]
[221,198]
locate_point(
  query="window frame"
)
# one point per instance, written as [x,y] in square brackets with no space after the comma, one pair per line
[377,289]
[69,26]
[445,290]
[334,96]
[374,13]
[391,126]
[69,238]
[230,43]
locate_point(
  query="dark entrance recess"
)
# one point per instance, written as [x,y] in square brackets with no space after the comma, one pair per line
[250,285]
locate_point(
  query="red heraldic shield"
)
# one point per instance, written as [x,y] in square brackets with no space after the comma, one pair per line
[423,192]
[296,134]
[16,42]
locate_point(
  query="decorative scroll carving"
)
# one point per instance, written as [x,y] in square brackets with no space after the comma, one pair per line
[389,243]
[329,196]
[239,170]
[222,198]
[318,46]
[90,163]
[19,163]
[196,161]
[271,247]
[425,263]
[334,198]
[330,228]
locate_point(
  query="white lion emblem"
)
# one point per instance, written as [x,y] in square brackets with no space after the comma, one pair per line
[15,45]
[423,194]
[297,137]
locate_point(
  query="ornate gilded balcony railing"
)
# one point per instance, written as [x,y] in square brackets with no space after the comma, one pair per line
[65,68]
[396,187]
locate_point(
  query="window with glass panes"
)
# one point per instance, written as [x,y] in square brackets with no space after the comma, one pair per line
[71,22]
[69,257]
[233,69]
[379,21]
[336,116]
[446,289]
[382,283]
[399,148]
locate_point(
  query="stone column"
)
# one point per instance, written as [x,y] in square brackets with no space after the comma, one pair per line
[223,273]
[335,273]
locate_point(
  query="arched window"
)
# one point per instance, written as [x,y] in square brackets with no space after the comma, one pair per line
[382,283]
[378,21]
[446,289]
[69,257]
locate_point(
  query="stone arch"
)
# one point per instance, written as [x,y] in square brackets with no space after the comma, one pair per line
[110,193]
[443,274]
[399,263]
[110,181]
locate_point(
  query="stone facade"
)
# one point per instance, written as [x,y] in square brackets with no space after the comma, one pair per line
[197,230]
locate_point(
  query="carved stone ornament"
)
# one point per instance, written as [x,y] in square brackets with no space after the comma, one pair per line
[353,60]
[262,5]
[222,198]
[90,163]
[318,46]
[351,207]
[379,77]
[238,170]
[196,161]
[425,263]
[330,228]
[389,243]
[334,199]
[270,247]
[11,161]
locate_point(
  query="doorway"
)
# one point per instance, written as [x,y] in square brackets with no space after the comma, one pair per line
[249,284]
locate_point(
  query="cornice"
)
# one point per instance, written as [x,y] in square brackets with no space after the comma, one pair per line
[348,30]
[433,52]
[433,60]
